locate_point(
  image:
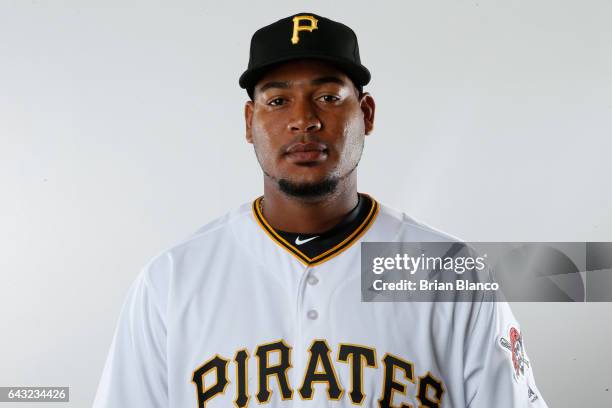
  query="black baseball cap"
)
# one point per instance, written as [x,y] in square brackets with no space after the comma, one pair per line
[304,35]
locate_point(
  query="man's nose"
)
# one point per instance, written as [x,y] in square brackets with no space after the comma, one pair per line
[304,118]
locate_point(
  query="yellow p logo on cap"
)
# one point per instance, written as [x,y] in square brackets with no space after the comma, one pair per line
[297,27]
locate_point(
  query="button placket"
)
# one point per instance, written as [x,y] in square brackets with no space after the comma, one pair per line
[301,323]
[312,313]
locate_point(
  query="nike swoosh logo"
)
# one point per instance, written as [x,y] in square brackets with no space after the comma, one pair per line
[299,241]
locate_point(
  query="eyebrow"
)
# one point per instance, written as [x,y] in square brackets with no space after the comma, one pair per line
[316,81]
[326,80]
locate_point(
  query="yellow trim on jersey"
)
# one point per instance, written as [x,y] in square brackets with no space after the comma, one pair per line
[330,253]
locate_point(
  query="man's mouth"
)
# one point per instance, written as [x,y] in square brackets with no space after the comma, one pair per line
[302,153]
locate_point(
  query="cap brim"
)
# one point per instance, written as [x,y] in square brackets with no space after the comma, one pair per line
[357,72]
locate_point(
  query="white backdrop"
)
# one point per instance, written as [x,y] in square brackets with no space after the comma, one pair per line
[121,132]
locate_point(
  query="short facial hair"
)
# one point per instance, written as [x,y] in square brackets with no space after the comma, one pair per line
[308,191]
[319,189]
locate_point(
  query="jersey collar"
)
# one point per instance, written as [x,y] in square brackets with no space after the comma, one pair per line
[325,256]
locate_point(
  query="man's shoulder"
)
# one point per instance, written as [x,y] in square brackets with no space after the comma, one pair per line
[214,230]
[408,228]
[200,244]
[240,213]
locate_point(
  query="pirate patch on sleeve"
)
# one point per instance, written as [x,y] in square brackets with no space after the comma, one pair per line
[512,342]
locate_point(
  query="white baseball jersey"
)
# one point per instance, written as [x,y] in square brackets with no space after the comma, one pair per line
[237,316]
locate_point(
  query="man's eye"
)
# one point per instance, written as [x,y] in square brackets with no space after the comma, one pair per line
[276,102]
[329,98]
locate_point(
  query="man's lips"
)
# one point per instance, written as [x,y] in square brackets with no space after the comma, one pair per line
[306,152]
[306,147]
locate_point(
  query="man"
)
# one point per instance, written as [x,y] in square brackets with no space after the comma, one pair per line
[263,306]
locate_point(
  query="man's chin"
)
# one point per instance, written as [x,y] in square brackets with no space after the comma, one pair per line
[308,190]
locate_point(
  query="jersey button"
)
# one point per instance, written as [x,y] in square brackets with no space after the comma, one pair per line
[312,314]
[312,280]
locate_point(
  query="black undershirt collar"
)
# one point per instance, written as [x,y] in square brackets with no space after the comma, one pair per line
[313,245]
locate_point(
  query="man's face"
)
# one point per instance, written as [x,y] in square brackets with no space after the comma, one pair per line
[307,124]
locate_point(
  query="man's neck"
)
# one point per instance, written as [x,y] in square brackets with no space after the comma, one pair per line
[292,214]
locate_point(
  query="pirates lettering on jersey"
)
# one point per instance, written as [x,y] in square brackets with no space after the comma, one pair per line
[390,384]
[242,378]
[357,357]
[279,371]
[426,399]
[218,365]
[319,353]
[397,376]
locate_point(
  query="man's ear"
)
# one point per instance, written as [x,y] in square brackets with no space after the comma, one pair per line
[368,107]
[248,120]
